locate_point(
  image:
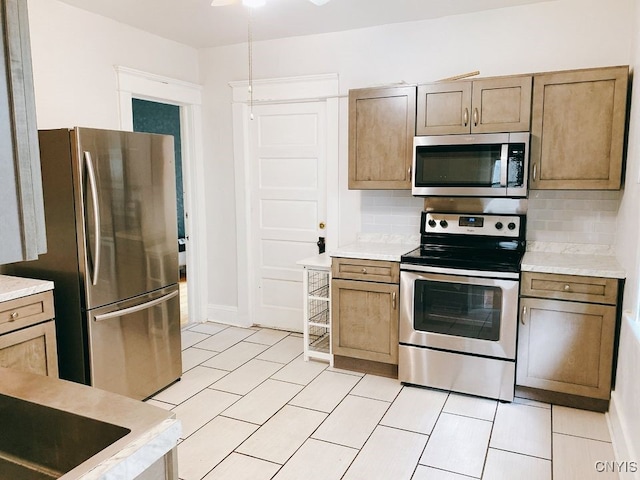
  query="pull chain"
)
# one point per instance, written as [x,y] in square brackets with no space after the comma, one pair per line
[250,67]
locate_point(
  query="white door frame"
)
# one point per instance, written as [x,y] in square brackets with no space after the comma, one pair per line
[188,96]
[277,90]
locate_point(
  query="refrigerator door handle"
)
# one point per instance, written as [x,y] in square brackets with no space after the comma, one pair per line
[96,215]
[135,308]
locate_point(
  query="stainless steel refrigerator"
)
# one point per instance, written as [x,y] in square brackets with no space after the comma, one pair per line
[112,252]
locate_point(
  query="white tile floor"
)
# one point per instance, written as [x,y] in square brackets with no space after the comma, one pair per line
[252,408]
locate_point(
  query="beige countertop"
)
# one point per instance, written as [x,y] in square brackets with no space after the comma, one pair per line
[374,250]
[378,246]
[572,259]
[12,288]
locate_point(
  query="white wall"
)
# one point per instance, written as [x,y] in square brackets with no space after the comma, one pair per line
[625,408]
[557,35]
[74,54]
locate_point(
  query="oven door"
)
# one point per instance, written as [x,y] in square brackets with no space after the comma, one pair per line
[459,313]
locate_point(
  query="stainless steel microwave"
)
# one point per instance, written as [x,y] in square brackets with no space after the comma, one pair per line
[484,165]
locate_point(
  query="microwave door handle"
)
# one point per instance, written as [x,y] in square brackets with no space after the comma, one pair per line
[504,156]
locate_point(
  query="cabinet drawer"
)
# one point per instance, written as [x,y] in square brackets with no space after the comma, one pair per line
[368,270]
[25,311]
[570,287]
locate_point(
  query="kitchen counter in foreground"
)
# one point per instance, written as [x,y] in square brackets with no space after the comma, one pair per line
[145,452]
[573,261]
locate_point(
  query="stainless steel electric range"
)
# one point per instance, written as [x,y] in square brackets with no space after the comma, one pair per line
[459,304]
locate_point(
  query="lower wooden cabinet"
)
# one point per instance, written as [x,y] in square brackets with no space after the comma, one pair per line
[365,298]
[566,339]
[31,349]
[365,320]
[28,335]
[566,347]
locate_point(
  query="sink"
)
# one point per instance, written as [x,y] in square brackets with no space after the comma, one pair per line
[43,443]
[57,429]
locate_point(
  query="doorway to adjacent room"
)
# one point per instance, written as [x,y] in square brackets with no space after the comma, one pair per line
[155,117]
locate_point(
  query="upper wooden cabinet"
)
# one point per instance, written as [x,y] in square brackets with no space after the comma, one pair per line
[501,104]
[22,214]
[381,130]
[577,129]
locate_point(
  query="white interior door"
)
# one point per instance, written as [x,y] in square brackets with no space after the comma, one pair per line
[288,206]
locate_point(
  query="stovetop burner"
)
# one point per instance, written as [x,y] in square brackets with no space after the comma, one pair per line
[487,242]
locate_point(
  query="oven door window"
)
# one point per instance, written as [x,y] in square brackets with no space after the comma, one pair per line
[458,309]
[458,166]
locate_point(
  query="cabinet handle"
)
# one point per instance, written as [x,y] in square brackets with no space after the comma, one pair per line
[13,316]
[409,173]
[393,300]
[364,270]
[535,171]
[465,117]
[567,287]
[475,117]
[524,312]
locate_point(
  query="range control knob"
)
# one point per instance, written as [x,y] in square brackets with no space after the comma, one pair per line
[511,226]
[499,225]
[444,224]
[432,223]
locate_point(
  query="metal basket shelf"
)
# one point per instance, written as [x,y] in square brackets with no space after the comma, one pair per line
[318,312]
[319,339]
[319,284]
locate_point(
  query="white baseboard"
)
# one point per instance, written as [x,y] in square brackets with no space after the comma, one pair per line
[623,415]
[622,446]
[226,314]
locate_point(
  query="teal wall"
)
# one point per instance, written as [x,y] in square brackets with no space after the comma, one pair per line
[153,117]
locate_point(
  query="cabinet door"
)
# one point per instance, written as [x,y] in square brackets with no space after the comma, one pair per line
[382,124]
[444,108]
[22,215]
[31,349]
[577,129]
[566,347]
[501,105]
[365,320]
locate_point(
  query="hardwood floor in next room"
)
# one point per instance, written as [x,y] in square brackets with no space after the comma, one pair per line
[252,408]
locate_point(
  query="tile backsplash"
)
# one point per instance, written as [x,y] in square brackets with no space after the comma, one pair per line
[561,216]
[390,211]
[573,216]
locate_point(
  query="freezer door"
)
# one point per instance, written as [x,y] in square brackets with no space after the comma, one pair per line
[134,346]
[128,216]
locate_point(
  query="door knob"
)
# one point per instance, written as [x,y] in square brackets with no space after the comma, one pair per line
[321,225]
